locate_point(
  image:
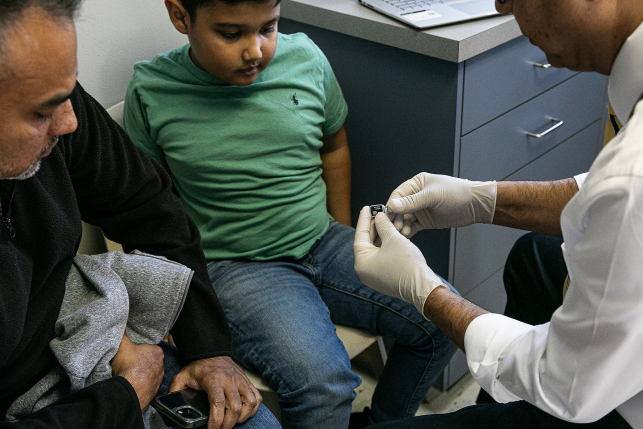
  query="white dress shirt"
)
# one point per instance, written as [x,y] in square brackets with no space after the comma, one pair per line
[626,79]
[587,361]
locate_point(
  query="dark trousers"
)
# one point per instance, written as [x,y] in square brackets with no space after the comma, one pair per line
[534,276]
[515,415]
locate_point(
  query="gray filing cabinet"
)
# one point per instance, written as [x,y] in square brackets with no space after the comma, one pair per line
[494,146]
[410,113]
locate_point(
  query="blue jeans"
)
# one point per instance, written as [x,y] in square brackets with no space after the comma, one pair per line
[281,315]
[172,365]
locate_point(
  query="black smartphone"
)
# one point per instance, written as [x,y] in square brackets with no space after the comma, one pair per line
[189,408]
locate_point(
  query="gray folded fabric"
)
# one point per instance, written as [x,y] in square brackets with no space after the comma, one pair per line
[105,295]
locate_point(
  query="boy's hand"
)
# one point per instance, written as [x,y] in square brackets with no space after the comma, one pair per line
[233,398]
[142,366]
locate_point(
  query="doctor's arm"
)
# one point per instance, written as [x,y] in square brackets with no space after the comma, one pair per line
[431,201]
[534,206]
[592,339]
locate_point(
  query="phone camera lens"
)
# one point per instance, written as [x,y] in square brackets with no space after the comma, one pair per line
[189,413]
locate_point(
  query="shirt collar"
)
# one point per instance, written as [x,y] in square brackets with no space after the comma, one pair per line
[202,75]
[626,77]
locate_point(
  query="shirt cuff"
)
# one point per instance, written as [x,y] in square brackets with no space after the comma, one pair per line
[580,179]
[485,340]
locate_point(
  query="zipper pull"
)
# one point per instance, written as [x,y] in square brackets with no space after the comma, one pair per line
[7,223]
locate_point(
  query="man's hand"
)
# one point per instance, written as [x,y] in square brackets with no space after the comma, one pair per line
[142,366]
[432,201]
[233,398]
[397,268]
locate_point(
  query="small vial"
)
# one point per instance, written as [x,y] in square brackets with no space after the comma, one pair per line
[379,208]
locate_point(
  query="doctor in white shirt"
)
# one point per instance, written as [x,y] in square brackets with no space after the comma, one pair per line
[586,364]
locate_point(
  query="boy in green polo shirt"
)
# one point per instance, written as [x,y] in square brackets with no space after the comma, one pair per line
[250,124]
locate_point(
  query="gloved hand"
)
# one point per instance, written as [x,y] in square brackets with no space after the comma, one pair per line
[398,268]
[432,201]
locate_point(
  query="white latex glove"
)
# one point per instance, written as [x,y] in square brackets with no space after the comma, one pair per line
[433,201]
[398,268]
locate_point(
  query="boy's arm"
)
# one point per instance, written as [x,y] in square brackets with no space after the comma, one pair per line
[336,173]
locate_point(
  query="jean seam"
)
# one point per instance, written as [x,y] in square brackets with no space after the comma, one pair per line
[428,365]
[314,271]
[250,351]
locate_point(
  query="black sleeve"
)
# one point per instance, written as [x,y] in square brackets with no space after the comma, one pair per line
[109,404]
[122,190]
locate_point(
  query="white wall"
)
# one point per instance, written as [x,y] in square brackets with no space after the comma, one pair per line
[113,35]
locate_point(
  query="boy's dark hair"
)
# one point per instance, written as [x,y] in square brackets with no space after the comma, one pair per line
[191,6]
[12,10]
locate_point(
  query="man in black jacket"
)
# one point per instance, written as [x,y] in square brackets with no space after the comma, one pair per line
[62,159]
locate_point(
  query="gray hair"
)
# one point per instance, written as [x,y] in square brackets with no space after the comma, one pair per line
[12,10]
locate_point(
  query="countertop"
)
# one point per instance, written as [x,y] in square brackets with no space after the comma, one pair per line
[455,43]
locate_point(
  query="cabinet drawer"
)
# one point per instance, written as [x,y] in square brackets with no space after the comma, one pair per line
[502,147]
[457,367]
[480,250]
[503,78]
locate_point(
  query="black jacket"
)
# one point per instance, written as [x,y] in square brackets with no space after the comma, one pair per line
[95,174]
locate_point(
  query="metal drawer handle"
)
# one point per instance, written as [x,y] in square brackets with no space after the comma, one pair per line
[542,66]
[547,131]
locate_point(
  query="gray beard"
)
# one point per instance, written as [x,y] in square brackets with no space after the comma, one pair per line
[35,164]
[28,173]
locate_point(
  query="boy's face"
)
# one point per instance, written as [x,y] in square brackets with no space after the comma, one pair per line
[234,42]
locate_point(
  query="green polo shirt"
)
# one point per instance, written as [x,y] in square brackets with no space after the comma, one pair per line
[245,160]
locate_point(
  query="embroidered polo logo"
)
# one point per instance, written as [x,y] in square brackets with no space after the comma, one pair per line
[294,99]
